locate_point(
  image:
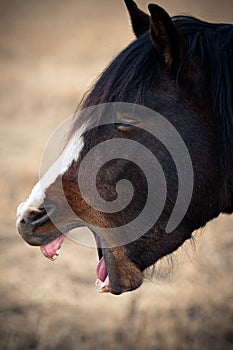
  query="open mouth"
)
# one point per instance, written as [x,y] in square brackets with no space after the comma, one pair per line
[50,244]
[116,272]
[52,251]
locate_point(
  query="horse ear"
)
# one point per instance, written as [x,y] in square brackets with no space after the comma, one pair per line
[140,20]
[165,35]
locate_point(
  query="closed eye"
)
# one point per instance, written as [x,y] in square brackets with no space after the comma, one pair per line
[125,127]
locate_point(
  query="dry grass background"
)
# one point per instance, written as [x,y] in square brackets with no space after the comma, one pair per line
[50,52]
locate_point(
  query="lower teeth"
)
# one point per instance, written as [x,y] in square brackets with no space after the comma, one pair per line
[101,286]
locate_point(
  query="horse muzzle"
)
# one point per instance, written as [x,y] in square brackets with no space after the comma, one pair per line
[30,219]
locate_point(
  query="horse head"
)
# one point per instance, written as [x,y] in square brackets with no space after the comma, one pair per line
[170,91]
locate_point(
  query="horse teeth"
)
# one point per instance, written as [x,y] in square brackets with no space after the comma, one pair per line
[53,258]
[58,251]
[101,287]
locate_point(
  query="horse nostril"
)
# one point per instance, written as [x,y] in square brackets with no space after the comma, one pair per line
[32,215]
[40,219]
[36,217]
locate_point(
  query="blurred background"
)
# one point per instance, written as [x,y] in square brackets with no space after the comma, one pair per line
[50,53]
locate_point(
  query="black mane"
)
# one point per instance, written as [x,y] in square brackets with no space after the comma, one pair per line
[215,45]
[138,67]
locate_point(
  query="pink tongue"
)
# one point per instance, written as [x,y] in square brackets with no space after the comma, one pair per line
[101,270]
[50,249]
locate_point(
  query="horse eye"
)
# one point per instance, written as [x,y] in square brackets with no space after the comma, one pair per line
[125,127]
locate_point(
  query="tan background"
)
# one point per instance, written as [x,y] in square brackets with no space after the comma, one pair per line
[50,53]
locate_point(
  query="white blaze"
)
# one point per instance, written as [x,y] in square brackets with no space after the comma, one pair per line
[59,167]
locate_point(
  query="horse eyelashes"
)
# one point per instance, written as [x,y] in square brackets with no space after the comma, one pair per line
[125,127]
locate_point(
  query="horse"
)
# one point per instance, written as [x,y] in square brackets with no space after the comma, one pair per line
[179,68]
